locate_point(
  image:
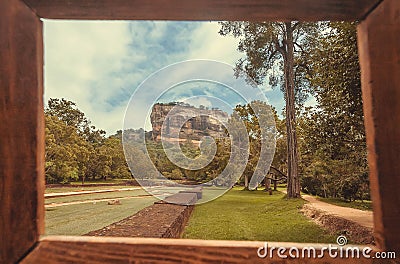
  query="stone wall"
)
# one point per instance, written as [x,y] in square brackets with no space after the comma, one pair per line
[160,220]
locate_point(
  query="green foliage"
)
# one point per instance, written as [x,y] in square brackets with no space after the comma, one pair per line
[265,47]
[333,142]
[250,115]
[280,157]
[175,174]
[170,170]
[76,150]
[67,112]
[330,136]
[278,52]
[66,151]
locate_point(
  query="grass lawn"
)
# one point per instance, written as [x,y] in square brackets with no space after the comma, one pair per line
[88,188]
[254,215]
[80,219]
[110,181]
[93,196]
[361,205]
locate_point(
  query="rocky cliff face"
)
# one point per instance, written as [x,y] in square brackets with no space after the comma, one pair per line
[181,122]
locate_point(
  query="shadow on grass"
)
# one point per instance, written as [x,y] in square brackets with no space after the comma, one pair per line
[254,215]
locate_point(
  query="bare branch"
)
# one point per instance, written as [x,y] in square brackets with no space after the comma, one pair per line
[299,46]
[275,170]
[295,25]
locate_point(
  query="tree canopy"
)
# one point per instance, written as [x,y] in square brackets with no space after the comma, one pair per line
[334,145]
[273,48]
[76,150]
[330,135]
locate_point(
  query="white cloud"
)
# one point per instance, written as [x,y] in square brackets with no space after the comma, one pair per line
[77,54]
[208,44]
[197,101]
[98,65]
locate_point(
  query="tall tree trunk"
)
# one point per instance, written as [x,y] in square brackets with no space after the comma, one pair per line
[246,181]
[293,188]
[267,183]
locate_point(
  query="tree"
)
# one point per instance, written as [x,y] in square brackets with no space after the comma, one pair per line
[273,47]
[247,115]
[337,88]
[76,150]
[118,167]
[67,111]
[170,170]
[335,139]
[66,152]
[250,114]
[175,174]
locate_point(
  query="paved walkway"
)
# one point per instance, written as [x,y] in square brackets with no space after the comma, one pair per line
[62,194]
[364,218]
[52,205]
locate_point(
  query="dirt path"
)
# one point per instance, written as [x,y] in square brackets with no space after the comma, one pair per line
[53,195]
[95,201]
[363,218]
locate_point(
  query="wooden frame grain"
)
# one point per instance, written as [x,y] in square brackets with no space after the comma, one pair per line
[22,121]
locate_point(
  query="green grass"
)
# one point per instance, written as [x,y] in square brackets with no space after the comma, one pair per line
[361,205]
[112,181]
[93,196]
[82,218]
[88,188]
[254,215]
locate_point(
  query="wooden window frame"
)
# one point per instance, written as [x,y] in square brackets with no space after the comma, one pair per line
[22,122]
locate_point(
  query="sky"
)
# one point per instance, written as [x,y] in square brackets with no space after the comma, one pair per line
[99,65]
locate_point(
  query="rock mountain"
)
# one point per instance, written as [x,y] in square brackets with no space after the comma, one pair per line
[181,122]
